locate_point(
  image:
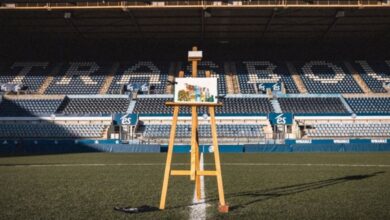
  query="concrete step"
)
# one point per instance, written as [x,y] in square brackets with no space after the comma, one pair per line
[173,69]
[296,77]
[236,84]
[108,80]
[359,80]
[276,105]
[131,107]
[49,79]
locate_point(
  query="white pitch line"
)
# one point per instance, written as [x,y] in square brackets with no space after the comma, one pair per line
[307,164]
[198,209]
[181,164]
[88,164]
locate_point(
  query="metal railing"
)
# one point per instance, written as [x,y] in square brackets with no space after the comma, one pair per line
[266,138]
[107,4]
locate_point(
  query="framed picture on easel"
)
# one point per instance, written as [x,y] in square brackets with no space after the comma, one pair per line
[196,90]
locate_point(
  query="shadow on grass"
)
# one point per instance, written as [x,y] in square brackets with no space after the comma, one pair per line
[266,194]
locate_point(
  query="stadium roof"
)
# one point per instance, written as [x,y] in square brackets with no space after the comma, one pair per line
[223,21]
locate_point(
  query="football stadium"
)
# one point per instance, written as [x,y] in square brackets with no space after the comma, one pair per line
[251,109]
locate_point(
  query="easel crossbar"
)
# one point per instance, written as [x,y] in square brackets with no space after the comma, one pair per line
[192,104]
[197,173]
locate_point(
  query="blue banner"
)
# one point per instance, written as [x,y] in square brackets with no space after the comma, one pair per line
[272,86]
[126,119]
[281,118]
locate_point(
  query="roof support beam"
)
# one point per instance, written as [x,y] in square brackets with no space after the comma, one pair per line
[131,15]
[71,23]
[338,15]
[268,23]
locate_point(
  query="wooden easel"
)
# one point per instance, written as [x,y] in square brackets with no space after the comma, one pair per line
[195,171]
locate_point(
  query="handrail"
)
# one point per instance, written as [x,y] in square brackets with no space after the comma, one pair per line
[124,5]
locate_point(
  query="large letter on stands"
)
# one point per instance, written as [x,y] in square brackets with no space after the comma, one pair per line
[26,68]
[254,73]
[203,66]
[154,74]
[84,74]
[371,72]
[308,71]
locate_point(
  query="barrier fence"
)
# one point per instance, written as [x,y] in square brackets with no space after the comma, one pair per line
[25,147]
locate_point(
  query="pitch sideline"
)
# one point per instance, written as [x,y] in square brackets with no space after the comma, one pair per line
[198,209]
[180,164]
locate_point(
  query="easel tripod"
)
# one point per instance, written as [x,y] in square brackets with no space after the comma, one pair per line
[194,171]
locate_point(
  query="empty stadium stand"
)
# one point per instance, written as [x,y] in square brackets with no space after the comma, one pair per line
[153,73]
[374,73]
[223,130]
[312,105]
[348,130]
[46,130]
[89,77]
[30,74]
[73,92]
[327,77]
[93,105]
[28,107]
[238,106]
[372,105]
[252,72]
[79,78]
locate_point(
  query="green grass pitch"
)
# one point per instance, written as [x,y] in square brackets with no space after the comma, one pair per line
[257,186]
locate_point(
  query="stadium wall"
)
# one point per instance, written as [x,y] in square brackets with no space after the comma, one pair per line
[31,147]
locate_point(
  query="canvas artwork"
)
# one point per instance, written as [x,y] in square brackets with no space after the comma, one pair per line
[196,90]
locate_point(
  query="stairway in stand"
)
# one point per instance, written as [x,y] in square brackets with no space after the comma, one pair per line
[49,79]
[275,104]
[297,78]
[173,69]
[236,85]
[109,79]
[356,76]
[228,78]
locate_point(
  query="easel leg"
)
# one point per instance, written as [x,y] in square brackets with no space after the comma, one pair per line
[169,157]
[222,205]
[197,163]
[193,142]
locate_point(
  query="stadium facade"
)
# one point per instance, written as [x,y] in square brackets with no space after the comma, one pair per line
[292,75]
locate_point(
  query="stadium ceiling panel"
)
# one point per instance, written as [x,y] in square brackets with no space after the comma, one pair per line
[221,24]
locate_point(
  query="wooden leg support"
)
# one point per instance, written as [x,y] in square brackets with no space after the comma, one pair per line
[169,158]
[195,173]
[222,205]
